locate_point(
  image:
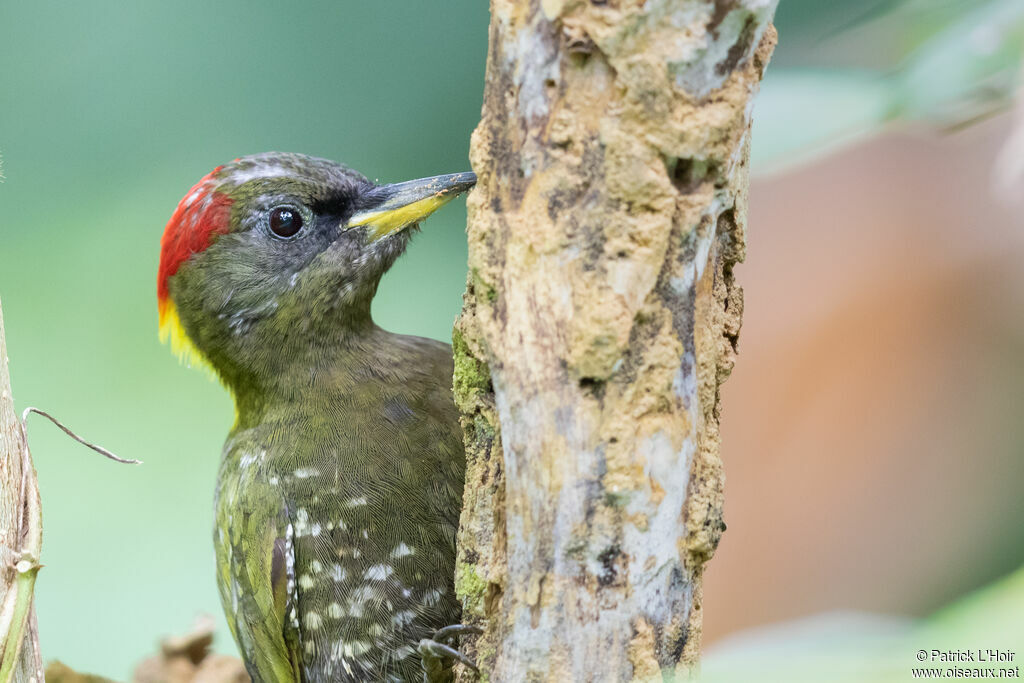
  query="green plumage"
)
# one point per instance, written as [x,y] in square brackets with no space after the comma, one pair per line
[340,486]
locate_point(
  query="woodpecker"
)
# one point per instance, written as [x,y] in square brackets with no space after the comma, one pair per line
[340,483]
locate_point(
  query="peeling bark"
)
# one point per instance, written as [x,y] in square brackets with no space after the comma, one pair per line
[599,320]
[19,527]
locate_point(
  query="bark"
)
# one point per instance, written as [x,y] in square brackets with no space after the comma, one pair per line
[600,318]
[20,529]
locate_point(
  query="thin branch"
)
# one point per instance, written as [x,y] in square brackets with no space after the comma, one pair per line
[99,449]
[15,610]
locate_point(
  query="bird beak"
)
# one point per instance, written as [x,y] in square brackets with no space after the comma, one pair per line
[389,208]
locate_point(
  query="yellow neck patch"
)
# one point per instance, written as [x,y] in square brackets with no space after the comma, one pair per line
[172,332]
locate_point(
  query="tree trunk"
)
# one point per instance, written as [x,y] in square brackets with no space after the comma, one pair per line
[600,317]
[19,539]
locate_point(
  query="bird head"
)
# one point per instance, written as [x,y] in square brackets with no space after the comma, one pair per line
[275,258]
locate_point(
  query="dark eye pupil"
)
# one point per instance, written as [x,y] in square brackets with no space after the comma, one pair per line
[285,222]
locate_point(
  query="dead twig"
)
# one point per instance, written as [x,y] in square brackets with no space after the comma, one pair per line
[99,449]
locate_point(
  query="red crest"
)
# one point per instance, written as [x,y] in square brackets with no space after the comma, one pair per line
[202,213]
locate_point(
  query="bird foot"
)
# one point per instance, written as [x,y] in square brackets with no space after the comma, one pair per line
[434,651]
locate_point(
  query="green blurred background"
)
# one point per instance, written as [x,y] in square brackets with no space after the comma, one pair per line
[109,113]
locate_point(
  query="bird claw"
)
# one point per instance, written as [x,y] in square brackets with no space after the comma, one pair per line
[449,633]
[433,651]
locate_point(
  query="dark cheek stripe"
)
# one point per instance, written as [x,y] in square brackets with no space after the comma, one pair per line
[202,214]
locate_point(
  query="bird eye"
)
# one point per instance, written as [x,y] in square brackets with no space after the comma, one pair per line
[285,221]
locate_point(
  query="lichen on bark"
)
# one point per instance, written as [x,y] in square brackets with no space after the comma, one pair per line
[600,318]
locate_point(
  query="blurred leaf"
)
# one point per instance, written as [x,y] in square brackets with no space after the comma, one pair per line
[802,114]
[968,67]
[856,647]
[811,21]
[967,70]
[994,614]
[912,23]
